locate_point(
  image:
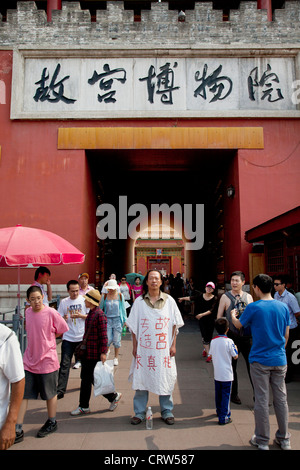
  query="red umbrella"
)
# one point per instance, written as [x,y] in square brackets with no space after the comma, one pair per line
[29,247]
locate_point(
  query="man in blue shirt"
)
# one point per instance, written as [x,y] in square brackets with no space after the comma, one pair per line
[283,295]
[269,321]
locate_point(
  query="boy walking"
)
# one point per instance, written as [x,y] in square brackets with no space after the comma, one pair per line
[43,325]
[222,350]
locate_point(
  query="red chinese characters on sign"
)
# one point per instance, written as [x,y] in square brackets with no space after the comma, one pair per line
[161,342]
[138,361]
[151,363]
[167,362]
[144,325]
[155,339]
[162,323]
[145,341]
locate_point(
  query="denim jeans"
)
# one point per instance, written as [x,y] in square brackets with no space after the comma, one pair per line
[114,331]
[140,401]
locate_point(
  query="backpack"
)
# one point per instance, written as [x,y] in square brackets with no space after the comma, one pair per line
[240,305]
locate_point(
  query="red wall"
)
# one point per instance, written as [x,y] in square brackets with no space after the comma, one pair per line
[266,183]
[43,187]
[47,188]
[269,180]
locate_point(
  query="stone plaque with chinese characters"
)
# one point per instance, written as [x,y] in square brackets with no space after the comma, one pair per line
[91,88]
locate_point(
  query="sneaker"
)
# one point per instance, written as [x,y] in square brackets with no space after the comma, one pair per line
[80,411]
[48,428]
[284,445]
[19,437]
[228,421]
[114,403]
[259,446]
[208,359]
[77,365]
[116,362]
[204,353]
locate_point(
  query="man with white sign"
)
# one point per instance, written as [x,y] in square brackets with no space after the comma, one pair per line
[154,321]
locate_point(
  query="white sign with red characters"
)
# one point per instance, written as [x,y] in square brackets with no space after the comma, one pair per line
[153,369]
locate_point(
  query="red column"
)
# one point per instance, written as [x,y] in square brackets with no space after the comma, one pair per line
[52,5]
[265,5]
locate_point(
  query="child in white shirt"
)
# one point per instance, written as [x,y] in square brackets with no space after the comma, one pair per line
[222,350]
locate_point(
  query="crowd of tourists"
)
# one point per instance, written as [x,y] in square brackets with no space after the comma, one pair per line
[153,309]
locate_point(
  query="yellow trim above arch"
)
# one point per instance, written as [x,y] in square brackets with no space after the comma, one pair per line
[118,138]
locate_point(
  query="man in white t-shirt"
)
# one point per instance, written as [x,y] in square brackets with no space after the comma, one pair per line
[11,378]
[74,311]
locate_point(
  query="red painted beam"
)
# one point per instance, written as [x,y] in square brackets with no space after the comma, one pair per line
[265,5]
[52,5]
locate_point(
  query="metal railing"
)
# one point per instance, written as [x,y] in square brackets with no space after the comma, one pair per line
[17,322]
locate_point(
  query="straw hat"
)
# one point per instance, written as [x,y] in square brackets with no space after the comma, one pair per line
[93,296]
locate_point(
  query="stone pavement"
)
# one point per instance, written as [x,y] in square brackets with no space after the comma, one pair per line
[195,427]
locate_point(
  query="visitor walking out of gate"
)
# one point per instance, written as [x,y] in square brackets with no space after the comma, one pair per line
[113,305]
[126,291]
[43,325]
[104,288]
[137,288]
[96,349]
[83,281]
[73,310]
[206,312]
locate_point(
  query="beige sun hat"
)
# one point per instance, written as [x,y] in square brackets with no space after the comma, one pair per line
[93,296]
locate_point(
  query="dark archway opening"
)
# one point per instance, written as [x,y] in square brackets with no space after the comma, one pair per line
[156,177]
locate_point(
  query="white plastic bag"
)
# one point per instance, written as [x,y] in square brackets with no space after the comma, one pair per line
[104,378]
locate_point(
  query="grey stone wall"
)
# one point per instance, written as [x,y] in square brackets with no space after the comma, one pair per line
[159,28]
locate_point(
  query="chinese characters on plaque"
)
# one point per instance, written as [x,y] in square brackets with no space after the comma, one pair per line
[157,84]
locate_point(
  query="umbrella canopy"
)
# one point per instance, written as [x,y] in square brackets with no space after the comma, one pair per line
[26,247]
[29,247]
[130,277]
